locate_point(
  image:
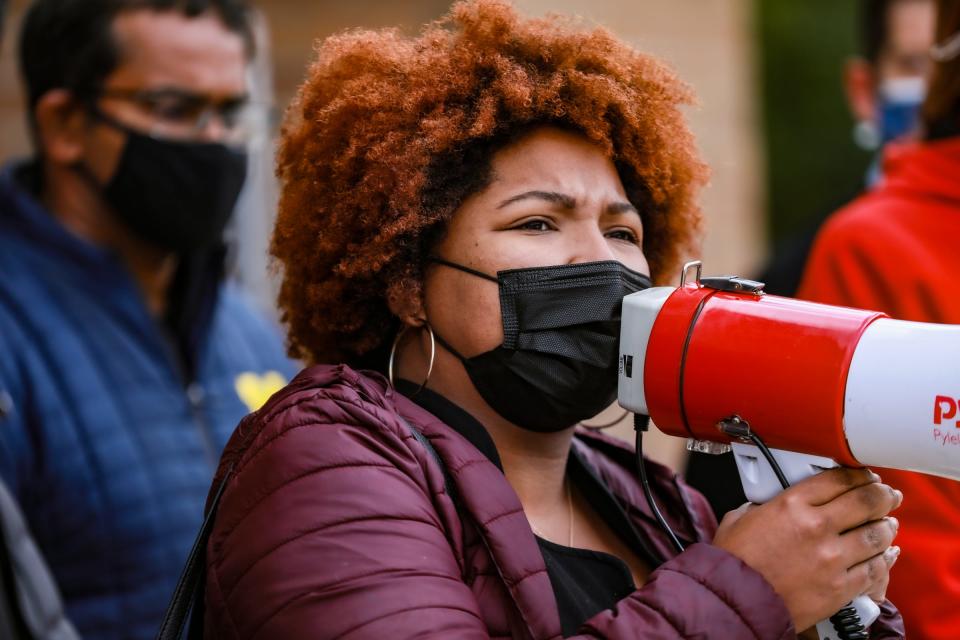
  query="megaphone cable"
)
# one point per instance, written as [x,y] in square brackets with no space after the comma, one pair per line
[640,424]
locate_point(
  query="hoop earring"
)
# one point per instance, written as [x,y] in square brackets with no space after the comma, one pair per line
[393,353]
[605,425]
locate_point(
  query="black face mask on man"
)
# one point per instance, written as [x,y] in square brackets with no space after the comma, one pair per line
[561,335]
[175,195]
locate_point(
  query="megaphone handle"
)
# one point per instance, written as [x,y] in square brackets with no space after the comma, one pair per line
[867,611]
[760,484]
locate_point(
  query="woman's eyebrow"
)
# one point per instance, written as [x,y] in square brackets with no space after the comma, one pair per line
[562,199]
[621,207]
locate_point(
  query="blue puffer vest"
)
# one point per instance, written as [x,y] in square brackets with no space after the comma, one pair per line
[105,443]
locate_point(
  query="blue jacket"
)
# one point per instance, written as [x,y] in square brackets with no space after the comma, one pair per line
[108,446]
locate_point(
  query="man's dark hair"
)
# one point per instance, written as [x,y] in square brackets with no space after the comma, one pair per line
[69,44]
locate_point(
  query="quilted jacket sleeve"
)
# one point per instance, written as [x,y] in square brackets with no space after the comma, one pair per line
[328,530]
[697,593]
[712,583]
[889,626]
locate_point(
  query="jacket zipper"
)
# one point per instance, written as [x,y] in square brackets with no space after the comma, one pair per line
[195,397]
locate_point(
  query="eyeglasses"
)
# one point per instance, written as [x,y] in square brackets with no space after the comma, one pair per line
[183,115]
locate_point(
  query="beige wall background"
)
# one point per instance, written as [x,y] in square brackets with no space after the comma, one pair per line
[709,42]
[13,139]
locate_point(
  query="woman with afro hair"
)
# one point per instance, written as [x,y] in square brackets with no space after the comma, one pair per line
[462,213]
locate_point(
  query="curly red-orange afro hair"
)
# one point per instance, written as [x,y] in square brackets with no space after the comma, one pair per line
[388,136]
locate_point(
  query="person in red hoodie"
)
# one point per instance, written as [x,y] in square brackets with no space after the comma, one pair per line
[462,214]
[894,249]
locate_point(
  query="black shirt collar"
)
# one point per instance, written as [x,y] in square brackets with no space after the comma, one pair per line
[454,417]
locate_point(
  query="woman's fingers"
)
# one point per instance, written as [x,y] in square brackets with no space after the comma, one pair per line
[878,592]
[826,486]
[861,504]
[871,576]
[869,540]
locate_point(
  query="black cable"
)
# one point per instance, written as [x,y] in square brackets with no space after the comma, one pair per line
[737,427]
[846,622]
[770,459]
[640,425]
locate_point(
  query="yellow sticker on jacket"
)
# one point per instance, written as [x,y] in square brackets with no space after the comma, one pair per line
[254,389]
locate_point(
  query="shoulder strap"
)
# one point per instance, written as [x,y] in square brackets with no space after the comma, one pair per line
[447,480]
[12,624]
[188,597]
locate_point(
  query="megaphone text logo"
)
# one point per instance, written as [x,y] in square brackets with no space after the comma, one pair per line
[945,408]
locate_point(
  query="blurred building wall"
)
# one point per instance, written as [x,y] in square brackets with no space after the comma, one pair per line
[13,136]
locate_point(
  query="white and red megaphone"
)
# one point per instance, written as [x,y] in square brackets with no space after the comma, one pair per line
[716,360]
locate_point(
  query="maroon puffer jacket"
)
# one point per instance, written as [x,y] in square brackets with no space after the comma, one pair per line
[336,524]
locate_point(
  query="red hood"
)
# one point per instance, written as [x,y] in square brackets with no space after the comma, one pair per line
[926,169]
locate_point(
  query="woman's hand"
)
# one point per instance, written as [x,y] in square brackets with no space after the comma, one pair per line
[821,542]
[878,590]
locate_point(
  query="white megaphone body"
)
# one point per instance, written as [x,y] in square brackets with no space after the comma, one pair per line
[716,360]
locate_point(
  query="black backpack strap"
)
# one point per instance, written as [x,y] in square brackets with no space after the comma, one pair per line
[188,597]
[447,480]
[12,624]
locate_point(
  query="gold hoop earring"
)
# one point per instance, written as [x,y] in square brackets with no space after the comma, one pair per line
[393,353]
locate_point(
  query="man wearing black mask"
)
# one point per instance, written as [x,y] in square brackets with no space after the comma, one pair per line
[126,360]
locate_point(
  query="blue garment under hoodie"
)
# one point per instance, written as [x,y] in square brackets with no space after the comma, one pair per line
[109,450]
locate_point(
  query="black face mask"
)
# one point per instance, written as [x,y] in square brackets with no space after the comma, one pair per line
[561,338]
[175,195]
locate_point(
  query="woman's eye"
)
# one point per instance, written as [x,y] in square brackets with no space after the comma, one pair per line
[534,225]
[624,234]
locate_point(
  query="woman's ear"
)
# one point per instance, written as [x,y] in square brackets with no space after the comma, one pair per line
[405,301]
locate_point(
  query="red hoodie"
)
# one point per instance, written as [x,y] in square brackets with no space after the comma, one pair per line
[895,250]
